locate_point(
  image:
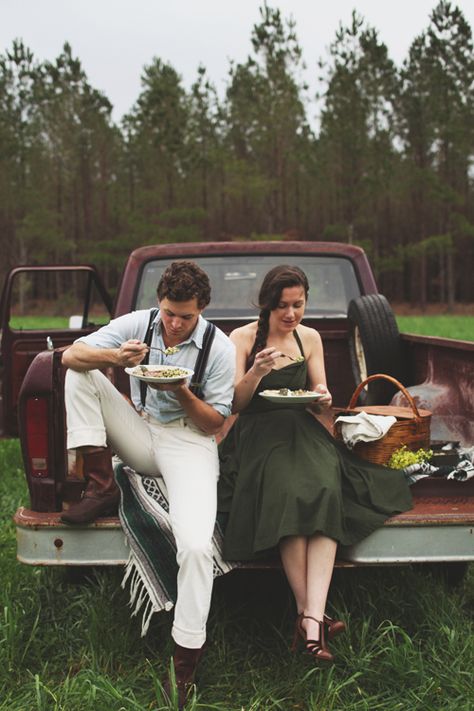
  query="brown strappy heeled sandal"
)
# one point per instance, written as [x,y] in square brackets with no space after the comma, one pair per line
[298,633]
[334,627]
[316,647]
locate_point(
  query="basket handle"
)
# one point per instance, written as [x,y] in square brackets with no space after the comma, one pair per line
[394,381]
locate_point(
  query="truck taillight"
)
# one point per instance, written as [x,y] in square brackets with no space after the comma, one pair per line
[37,436]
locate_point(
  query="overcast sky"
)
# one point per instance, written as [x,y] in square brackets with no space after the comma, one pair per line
[115,39]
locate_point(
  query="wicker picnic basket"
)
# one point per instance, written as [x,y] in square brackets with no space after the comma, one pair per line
[411,429]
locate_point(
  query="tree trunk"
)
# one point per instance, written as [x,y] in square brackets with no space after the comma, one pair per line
[451,286]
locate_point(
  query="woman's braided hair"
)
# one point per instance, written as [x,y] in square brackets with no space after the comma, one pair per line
[274,282]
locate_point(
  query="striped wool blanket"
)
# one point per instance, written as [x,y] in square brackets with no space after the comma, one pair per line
[152,568]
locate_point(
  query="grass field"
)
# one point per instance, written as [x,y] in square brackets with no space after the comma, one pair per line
[63,647]
[452,326]
[30,323]
[410,644]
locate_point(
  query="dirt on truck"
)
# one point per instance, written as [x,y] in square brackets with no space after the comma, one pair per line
[360,338]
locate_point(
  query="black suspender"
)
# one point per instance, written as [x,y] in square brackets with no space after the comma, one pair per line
[147,340]
[201,360]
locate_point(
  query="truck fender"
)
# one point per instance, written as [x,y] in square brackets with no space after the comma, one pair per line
[374,346]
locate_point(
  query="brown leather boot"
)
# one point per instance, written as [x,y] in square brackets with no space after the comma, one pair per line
[101,495]
[185,662]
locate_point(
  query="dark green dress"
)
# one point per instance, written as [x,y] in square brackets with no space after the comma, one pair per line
[283,474]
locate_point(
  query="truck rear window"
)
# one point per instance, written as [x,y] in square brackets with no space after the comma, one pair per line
[235,281]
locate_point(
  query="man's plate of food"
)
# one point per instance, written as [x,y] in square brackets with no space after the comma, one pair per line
[159,373]
[291,397]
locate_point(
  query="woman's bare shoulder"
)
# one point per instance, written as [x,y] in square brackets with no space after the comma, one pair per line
[244,334]
[309,336]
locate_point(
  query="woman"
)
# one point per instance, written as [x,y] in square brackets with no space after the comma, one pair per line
[285,481]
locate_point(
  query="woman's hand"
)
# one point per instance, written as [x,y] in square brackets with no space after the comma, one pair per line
[264,361]
[326,400]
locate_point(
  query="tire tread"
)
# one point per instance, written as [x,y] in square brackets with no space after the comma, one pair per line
[381,343]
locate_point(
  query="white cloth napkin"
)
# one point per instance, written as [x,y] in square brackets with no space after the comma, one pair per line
[364,427]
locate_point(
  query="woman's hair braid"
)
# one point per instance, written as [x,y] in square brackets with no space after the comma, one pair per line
[261,336]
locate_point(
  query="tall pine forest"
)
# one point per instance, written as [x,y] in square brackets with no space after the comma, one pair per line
[382,156]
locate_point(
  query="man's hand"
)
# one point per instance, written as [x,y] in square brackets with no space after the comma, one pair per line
[203,415]
[175,386]
[131,353]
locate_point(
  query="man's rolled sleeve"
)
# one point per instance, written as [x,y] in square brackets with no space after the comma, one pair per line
[119,330]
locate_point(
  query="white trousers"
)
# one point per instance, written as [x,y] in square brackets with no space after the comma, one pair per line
[186,458]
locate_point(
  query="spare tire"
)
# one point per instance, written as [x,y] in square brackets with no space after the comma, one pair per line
[375,346]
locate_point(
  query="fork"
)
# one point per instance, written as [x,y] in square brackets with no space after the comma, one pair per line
[155,348]
[283,355]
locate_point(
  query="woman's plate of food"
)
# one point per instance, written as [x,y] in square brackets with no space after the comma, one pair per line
[291,397]
[159,373]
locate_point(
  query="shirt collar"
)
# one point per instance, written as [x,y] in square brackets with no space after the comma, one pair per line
[197,335]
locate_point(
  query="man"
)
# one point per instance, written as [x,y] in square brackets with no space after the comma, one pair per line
[168,433]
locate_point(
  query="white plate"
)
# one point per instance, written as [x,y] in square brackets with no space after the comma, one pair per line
[135,372]
[274,396]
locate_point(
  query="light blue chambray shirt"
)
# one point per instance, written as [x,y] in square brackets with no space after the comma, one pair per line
[217,381]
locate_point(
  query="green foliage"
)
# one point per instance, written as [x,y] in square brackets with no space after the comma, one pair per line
[266,237]
[436,116]
[403,457]
[266,121]
[392,263]
[386,164]
[336,233]
[430,245]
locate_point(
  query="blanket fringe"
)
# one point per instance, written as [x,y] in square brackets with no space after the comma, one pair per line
[146,618]
[129,568]
[140,595]
[150,591]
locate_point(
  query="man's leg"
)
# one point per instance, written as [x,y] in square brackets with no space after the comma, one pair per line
[101,495]
[97,414]
[188,462]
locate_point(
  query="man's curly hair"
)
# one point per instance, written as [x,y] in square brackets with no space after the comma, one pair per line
[184,280]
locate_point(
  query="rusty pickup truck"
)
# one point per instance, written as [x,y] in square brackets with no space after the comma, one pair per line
[360,337]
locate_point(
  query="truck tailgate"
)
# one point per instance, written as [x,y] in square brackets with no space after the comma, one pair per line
[437,528]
